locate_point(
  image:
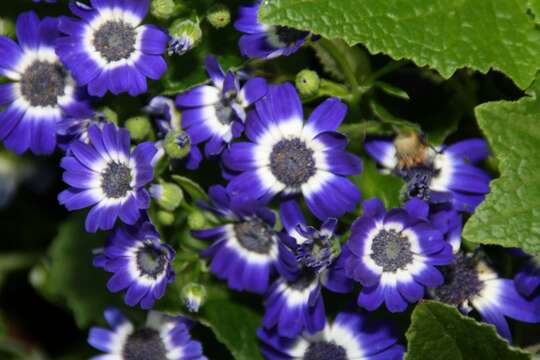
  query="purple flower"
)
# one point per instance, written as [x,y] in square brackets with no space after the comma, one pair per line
[527,280]
[294,304]
[245,249]
[141,263]
[162,337]
[109,49]
[446,174]
[215,113]
[393,255]
[105,174]
[70,129]
[287,157]
[266,41]
[41,92]
[350,336]
[470,283]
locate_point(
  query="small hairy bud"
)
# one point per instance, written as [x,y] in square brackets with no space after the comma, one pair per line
[165,218]
[139,127]
[177,144]
[168,195]
[196,220]
[307,82]
[185,35]
[193,296]
[163,9]
[7,27]
[218,16]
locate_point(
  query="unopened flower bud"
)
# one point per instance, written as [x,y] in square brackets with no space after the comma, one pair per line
[165,218]
[109,114]
[196,220]
[163,9]
[307,82]
[193,296]
[218,16]
[7,27]
[177,144]
[139,127]
[167,195]
[185,35]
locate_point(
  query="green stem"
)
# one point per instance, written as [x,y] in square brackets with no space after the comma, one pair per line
[394,65]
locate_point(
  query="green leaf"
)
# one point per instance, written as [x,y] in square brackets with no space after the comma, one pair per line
[191,187]
[374,184]
[71,278]
[509,215]
[441,332]
[445,35]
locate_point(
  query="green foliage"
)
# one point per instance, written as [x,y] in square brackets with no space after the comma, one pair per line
[374,184]
[445,35]
[441,332]
[509,215]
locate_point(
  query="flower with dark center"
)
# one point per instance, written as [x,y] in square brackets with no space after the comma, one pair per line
[40,92]
[392,254]
[245,249]
[215,113]
[470,283]
[71,129]
[109,49]
[161,338]
[286,156]
[141,263]
[266,41]
[106,174]
[350,336]
[445,174]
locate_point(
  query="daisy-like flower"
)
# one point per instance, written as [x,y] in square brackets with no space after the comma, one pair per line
[350,336]
[287,157]
[168,119]
[215,113]
[71,129]
[449,222]
[245,249]
[141,263]
[393,255]
[105,174]
[471,283]
[266,41]
[294,304]
[161,338]
[527,280]
[109,49]
[41,92]
[446,174]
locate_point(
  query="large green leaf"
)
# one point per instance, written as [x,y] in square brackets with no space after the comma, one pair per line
[445,35]
[510,215]
[441,332]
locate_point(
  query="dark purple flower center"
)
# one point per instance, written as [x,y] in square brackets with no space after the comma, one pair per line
[289,36]
[115,40]
[255,235]
[42,83]
[292,162]
[116,180]
[461,281]
[391,251]
[304,280]
[418,180]
[315,253]
[144,344]
[325,350]
[151,261]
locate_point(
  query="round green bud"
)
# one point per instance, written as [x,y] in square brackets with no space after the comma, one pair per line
[307,82]
[193,296]
[196,220]
[110,114]
[218,16]
[167,195]
[165,218]
[185,35]
[163,9]
[7,27]
[177,144]
[139,127]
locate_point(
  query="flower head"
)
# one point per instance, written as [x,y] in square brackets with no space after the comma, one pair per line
[215,113]
[162,337]
[105,174]
[350,336]
[446,174]
[286,156]
[266,41]
[109,50]
[141,263]
[41,92]
[470,283]
[245,249]
[393,254]
[71,129]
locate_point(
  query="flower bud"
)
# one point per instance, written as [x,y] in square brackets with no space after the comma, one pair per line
[193,296]
[163,9]
[196,220]
[139,127]
[177,144]
[109,114]
[185,35]
[167,195]
[218,16]
[307,82]
[165,218]
[7,27]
